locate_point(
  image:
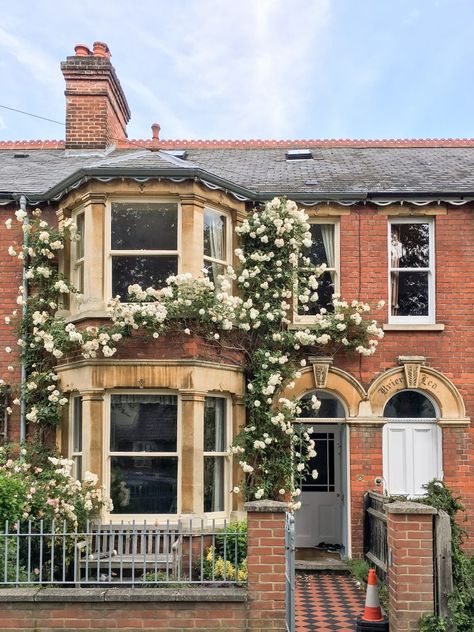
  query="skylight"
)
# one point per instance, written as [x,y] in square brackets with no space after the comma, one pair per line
[299,154]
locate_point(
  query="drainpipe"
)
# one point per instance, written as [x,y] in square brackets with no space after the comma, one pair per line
[24,313]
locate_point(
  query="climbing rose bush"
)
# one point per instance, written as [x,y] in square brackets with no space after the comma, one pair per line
[273,278]
[45,489]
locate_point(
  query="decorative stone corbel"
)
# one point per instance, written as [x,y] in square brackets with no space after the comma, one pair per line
[412,366]
[320,366]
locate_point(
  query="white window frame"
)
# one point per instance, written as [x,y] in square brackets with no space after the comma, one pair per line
[108,454]
[302,318]
[76,455]
[225,455]
[415,320]
[228,236]
[110,253]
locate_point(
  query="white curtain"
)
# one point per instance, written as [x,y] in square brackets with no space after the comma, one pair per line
[327,233]
[216,228]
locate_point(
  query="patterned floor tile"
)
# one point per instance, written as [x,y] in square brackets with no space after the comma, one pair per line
[327,602]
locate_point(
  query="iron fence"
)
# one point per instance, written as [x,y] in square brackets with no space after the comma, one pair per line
[375,532]
[145,555]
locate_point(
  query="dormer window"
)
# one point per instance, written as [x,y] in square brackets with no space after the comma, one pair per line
[143,244]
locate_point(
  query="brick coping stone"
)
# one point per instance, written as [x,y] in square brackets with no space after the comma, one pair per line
[29,595]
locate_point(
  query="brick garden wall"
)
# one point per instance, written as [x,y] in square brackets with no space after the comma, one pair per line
[258,608]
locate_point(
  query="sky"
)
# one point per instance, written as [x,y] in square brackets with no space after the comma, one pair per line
[268,69]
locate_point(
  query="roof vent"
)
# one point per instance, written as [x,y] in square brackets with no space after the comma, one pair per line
[177,153]
[20,155]
[299,154]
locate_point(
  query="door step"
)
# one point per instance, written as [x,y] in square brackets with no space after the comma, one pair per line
[327,564]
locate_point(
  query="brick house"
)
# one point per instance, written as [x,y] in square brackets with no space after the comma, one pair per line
[392,220]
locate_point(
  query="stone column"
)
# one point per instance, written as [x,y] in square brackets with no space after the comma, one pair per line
[192,220]
[410,568]
[266,565]
[192,441]
[94,253]
[93,432]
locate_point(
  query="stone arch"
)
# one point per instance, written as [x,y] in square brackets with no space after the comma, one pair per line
[431,382]
[342,384]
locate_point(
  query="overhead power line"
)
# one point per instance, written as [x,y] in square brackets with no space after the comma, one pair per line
[44,118]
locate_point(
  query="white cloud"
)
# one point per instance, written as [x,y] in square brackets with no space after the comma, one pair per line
[43,67]
[239,69]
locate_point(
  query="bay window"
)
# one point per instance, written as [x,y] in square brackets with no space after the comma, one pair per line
[143,453]
[411,270]
[143,244]
[215,453]
[216,238]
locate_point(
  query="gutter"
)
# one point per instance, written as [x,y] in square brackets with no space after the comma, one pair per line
[24,313]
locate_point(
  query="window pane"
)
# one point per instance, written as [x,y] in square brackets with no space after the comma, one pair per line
[325,291]
[323,462]
[144,484]
[409,404]
[330,406]
[146,271]
[410,246]
[144,226]
[78,467]
[214,235]
[143,423]
[215,424]
[77,424]
[80,234]
[214,270]
[409,291]
[322,248]
[214,483]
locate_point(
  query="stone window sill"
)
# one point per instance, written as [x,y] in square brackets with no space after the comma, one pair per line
[413,327]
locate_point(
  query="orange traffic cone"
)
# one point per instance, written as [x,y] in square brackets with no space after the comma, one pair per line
[372,619]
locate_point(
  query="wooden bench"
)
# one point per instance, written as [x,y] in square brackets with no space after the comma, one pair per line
[117,553]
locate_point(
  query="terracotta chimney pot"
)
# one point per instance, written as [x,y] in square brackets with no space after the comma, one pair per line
[101,50]
[81,50]
[155,128]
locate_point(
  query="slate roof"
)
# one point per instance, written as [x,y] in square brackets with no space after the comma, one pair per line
[352,172]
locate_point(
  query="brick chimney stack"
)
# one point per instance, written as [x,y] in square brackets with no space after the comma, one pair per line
[97,111]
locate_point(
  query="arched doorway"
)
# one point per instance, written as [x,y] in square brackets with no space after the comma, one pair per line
[319,521]
[412,451]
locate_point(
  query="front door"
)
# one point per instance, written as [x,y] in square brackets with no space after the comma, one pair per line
[319,520]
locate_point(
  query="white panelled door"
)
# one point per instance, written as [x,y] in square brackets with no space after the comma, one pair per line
[411,455]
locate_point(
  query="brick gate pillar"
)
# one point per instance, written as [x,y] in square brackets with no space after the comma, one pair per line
[266,565]
[410,567]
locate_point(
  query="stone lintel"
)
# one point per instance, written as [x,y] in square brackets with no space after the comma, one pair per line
[266,506]
[409,507]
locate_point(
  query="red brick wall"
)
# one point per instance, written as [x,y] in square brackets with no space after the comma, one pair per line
[127,614]
[365,465]
[11,278]
[364,276]
[410,575]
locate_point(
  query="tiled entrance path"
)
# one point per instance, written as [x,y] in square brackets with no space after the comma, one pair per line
[327,602]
